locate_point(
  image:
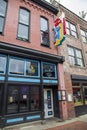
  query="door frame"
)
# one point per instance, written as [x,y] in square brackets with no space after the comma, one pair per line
[45,104]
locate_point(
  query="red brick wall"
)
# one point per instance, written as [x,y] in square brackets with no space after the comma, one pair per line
[11,25]
[70,105]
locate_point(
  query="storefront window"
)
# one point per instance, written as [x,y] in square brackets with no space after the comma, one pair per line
[85,90]
[23,99]
[49,70]
[77,93]
[32,68]
[16,66]
[2,64]
[12,102]
[34,102]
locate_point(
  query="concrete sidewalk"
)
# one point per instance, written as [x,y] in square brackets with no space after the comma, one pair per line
[52,123]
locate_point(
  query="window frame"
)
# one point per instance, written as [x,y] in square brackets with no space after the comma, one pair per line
[75,57]
[45,44]
[1,55]
[70,30]
[85,32]
[25,25]
[4,18]
[55,67]
[19,88]
[17,58]
[25,62]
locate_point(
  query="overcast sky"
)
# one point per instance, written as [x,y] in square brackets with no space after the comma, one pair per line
[75,5]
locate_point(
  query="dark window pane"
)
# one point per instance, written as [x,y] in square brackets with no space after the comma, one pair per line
[34,102]
[32,68]
[44,25]
[1,24]
[12,100]
[23,31]
[2,7]
[49,70]
[24,17]
[24,99]
[85,90]
[2,64]
[16,66]
[44,38]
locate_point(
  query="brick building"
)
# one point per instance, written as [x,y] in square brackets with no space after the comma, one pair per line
[31,70]
[74,49]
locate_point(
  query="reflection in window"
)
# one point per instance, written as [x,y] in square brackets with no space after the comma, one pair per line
[32,68]
[49,70]
[71,29]
[78,99]
[12,101]
[24,99]
[2,64]
[16,66]
[34,102]
[44,32]
[23,28]
[3,5]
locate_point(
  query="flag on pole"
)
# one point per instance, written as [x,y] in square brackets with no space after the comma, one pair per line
[60,29]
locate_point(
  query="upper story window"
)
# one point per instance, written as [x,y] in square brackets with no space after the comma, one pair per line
[3,6]
[2,64]
[84,35]
[23,24]
[44,32]
[49,70]
[75,56]
[71,29]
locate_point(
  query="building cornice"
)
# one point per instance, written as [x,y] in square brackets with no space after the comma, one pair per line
[14,50]
[44,4]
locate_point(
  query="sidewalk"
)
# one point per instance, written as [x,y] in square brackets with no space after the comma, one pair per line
[79,123]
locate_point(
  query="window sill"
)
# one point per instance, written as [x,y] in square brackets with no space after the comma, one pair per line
[75,66]
[24,40]
[44,45]
[71,36]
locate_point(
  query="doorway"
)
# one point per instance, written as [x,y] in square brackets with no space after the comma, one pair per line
[48,103]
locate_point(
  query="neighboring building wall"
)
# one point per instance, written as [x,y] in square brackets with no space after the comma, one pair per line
[77,43]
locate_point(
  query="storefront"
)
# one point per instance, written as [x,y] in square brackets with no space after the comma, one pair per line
[79,85]
[28,85]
